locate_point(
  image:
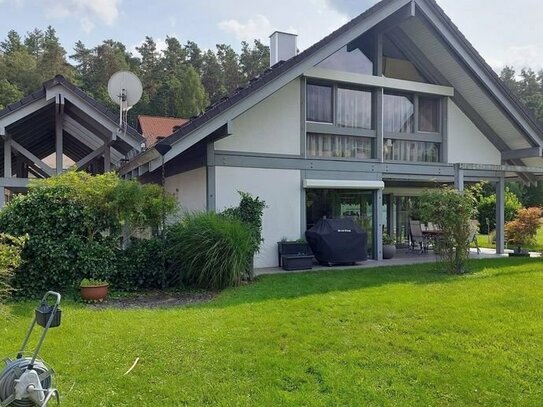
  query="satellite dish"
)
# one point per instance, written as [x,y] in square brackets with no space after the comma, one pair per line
[125,89]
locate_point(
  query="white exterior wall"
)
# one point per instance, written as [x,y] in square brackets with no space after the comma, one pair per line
[466,144]
[189,188]
[271,126]
[280,189]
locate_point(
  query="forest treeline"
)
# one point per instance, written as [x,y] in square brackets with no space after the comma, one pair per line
[180,80]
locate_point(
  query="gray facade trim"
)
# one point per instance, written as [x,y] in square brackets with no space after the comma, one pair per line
[379,124]
[500,216]
[418,136]
[323,128]
[378,224]
[522,153]
[303,207]
[379,82]
[444,150]
[303,113]
[211,187]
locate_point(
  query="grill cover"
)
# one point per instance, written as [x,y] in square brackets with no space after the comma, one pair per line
[338,241]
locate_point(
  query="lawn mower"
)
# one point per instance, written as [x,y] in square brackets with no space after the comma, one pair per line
[27,381]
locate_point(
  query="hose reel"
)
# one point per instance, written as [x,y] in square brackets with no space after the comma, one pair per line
[27,381]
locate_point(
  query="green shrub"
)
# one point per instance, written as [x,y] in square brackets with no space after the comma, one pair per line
[142,266]
[210,250]
[451,211]
[486,207]
[10,258]
[249,211]
[74,223]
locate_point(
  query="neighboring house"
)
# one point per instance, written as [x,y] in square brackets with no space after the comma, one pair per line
[393,102]
[56,127]
[156,128]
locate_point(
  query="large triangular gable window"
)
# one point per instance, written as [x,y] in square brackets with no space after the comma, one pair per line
[353,58]
[396,65]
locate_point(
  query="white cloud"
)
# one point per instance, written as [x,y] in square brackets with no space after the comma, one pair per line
[258,27]
[88,11]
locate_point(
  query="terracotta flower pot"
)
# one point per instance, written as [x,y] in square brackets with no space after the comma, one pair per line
[94,293]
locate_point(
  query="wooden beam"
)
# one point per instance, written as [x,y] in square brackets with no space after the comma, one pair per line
[14,182]
[59,117]
[16,146]
[522,153]
[7,157]
[86,160]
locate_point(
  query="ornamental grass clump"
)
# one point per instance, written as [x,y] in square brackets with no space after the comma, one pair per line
[209,250]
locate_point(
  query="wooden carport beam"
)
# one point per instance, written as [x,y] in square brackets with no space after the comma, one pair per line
[8,172]
[522,153]
[86,160]
[59,118]
[17,147]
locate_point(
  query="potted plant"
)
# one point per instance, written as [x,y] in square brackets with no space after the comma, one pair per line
[93,290]
[389,246]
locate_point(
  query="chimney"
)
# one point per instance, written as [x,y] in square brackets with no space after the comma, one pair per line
[282,47]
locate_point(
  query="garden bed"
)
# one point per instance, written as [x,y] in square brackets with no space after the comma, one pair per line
[156,299]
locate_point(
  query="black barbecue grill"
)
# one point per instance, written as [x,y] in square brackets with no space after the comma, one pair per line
[338,241]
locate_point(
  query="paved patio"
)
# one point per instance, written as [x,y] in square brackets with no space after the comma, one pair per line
[403,257]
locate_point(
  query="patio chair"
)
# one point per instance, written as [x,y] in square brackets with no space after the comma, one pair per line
[473,230]
[417,237]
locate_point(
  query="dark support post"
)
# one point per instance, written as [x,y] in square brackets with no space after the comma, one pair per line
[378,225]
[379,130]
[500,215]
[59,117]
[210,177]
[7,157]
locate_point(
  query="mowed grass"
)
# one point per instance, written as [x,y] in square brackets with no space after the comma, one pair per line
[402,336]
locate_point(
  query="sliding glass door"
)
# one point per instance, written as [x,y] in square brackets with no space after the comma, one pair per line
[341,203]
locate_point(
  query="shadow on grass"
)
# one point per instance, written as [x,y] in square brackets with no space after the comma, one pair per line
[295,285]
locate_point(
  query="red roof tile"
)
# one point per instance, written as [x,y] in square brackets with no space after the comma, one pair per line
[154,128]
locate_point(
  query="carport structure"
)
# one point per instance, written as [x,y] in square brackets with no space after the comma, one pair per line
[42,132]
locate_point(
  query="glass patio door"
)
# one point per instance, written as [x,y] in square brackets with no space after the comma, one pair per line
[342,203]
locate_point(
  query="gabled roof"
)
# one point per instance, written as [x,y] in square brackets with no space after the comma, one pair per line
[61,80]
[154,128]
[87,125]
[487,80]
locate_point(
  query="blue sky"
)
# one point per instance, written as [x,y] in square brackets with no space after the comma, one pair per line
[503,32]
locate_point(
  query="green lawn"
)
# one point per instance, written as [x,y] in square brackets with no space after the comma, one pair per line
[403,336]
[538,246]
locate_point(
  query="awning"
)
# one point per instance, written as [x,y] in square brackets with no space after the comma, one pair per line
[343,184]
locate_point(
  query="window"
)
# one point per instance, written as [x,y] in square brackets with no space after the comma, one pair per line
[396,65]
[332,146]
[319,103]
[353,108]
[408,150]
[348,60]
[398,113]
[429,114]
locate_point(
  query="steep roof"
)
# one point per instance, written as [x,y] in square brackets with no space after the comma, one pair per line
[156,127]
[517,114]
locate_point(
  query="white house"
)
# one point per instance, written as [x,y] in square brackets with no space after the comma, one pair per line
[394,101]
